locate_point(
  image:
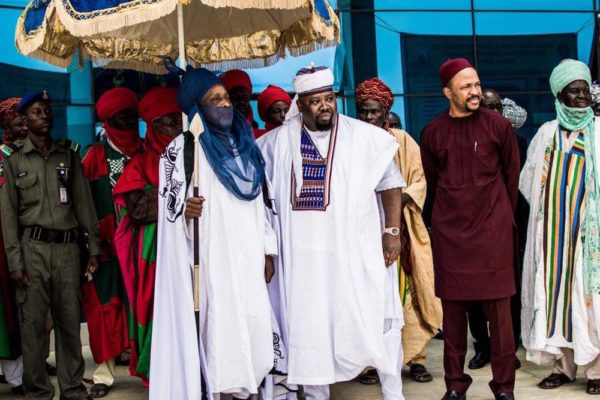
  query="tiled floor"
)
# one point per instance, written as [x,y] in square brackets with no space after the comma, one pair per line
[128,388]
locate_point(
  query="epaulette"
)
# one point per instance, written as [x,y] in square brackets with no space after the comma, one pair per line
[6,151]
[71,145]
[9,149]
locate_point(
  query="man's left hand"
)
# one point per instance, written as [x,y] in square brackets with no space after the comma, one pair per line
[391,248]
[269,268]
[92,266]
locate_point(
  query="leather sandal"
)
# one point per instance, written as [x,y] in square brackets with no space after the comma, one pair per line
[553,381]
[593,386]
[420,374]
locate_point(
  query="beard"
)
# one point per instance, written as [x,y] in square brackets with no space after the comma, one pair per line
[468,107]
[324,125]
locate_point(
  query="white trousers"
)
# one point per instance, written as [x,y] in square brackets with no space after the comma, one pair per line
[105,373]
[12,371]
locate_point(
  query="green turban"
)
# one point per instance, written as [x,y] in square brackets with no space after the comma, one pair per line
[566,72]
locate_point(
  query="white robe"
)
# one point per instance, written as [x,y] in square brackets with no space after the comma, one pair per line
[339,295]
[539,348]
[235,315]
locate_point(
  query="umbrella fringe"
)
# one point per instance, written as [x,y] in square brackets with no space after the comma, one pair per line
[310,47]
[51,59]
[244,4]
[114,20]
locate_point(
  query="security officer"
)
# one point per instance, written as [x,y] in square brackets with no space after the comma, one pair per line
[47,209]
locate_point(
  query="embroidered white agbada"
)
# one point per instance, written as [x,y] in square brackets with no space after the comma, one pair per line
[585,315]
[340,298]
[235,316]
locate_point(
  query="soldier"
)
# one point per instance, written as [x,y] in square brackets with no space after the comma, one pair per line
[47,210]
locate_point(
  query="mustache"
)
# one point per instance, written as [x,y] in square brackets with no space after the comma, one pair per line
[474,98]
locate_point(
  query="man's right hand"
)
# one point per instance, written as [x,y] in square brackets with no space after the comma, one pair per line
[20,279]
[193,207]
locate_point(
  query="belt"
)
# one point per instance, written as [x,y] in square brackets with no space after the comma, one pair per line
[53,235]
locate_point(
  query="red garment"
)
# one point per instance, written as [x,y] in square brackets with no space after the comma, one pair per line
[497,312]
[271,95]
[127,142]
[259,132]
[236,78]
[472,168]
[375,89]
[104,298]
[155,104]
[450,68]
[115,100]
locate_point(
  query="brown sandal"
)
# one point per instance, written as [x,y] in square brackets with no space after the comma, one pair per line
[369,377]
[553,381]
[593,386]
[420,374]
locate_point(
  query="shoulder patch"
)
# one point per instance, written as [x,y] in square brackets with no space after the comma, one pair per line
[7,151]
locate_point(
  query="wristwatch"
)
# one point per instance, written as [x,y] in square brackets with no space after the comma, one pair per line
[392,231]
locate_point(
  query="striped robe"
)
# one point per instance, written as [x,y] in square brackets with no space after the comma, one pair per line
[556,313]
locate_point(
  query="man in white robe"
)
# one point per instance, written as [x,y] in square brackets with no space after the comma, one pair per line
[561,270]
[330,173]
[234,348]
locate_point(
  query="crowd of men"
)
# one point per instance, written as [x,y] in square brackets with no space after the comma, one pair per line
[227,261]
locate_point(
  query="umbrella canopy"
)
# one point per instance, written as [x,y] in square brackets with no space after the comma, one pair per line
[138,34]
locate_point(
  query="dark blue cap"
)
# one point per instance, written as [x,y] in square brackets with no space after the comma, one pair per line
[31,98]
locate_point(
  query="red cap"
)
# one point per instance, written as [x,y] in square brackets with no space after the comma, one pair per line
[158,102]
[115,100]
[450,68]
[236,78]
[270,96]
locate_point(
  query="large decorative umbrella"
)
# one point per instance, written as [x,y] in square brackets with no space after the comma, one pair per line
[139,34]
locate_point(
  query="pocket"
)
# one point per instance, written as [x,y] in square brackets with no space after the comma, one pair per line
[28,190]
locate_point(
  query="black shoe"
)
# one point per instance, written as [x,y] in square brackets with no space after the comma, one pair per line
[504,396]
[479,360]
[50,369]
[18,391]
[518,364]
[454,395]
[439,335]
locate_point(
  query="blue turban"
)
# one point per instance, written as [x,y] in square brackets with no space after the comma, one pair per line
[195,83]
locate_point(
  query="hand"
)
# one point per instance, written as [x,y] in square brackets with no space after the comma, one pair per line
[391,248]
[20,279]
[269,268]
[193,207]
[92,266]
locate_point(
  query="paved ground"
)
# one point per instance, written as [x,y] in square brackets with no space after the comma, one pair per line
[128,388]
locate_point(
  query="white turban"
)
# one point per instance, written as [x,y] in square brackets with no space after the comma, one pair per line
[313,80]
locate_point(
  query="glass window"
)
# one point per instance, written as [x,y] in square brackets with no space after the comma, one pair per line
[534,5]
[422,5]
[391,27]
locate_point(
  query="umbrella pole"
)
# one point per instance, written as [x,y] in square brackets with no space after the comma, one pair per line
[181,45]
[196,181]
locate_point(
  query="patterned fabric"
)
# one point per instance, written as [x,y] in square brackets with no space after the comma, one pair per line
[316,175]
[375,89]
[564,201]
[115,169]
[404,288]
[8,110]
